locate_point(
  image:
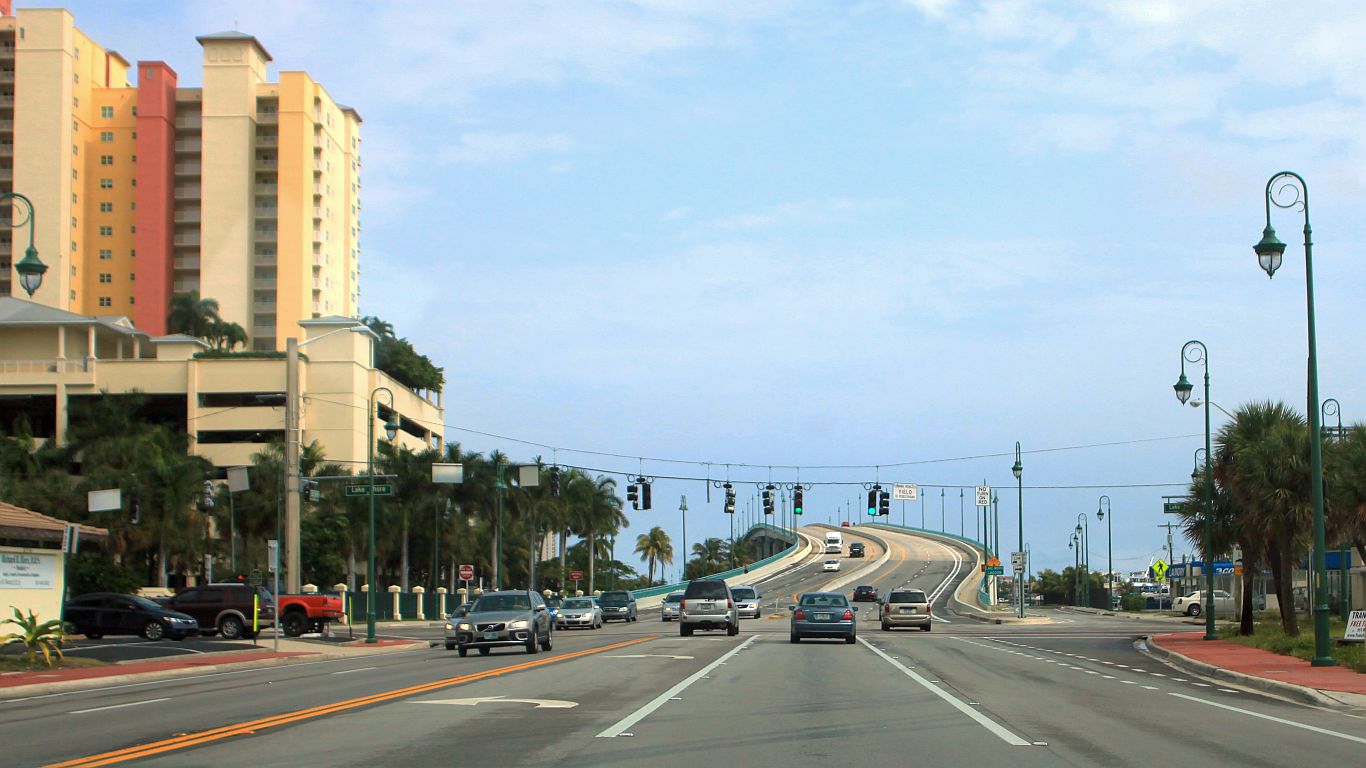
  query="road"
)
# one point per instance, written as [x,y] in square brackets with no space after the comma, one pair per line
[1073,692]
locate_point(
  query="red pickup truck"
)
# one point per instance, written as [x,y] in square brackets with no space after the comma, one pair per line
[299,614]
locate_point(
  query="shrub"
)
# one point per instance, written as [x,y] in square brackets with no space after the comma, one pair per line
[95,572]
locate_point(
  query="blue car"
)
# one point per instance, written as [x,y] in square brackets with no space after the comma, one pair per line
[823,614]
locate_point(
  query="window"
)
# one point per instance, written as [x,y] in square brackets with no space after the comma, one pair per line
[106,207]
[106,231]
[133,254]
[76,76]
[135,111]
[106,137]
[73,198]
[106,112]
[105,277]
[106,254]
[106,159]
[76,102]
[135,135]
[130,299]
[106,183]
[135,158]
[75,150]
[105,301]
[133,229]
[132,277]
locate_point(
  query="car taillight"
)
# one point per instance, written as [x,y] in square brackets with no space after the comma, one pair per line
[799,614]
[886,608]
[682,604]
[729,603]
[848,615]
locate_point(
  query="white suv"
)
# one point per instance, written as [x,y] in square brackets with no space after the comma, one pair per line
[707,604]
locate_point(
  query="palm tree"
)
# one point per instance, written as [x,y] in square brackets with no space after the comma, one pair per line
[652,547]
[224,335]
[189,314]
[600,517]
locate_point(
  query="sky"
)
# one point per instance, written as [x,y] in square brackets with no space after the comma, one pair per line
[889,235]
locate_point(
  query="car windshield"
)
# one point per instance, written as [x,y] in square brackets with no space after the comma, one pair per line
[146,604]
[706,588]
[614,598]
[674,597]
[577,603]
[906,596]
[743,593]
[823,601]
[491,603]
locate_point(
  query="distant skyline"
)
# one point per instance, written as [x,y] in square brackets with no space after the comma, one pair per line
[782,234]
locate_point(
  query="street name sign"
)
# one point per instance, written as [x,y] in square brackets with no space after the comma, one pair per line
[363,489]
[905,492]
[995,570]
[983,495]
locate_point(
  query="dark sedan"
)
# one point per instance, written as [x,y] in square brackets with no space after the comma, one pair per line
[865,594]
[823,614]
[109,613]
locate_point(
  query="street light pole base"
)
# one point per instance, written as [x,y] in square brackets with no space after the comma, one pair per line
[370,640]
[1324,661]
[1209,636]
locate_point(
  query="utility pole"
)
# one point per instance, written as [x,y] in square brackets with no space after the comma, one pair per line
[683,508]
[1171,556]
[292,500]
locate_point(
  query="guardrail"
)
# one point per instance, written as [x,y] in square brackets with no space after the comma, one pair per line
[667,588]
[983,595]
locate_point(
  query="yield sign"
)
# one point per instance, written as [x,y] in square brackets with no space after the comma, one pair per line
[540,703]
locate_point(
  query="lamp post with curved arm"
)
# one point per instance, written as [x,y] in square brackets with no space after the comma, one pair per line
[390,430]
[1332,408]
[1293,192]
[1084,531]
[1102,507]
[1076,568]
[1018,471]
[1195,351]
[30,268]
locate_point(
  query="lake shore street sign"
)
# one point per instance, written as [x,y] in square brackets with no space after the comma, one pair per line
[363,489]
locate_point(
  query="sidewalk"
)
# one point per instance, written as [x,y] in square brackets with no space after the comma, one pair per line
[1283,675]
[44,681]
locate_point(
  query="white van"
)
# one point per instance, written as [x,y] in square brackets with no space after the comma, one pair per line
[834,543]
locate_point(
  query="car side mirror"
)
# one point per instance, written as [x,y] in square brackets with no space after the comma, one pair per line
[791,609]
[540,608]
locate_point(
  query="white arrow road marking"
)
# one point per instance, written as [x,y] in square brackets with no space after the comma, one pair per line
[645,656]
[540,703]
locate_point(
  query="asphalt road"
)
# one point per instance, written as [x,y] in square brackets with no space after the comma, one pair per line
[1073,692]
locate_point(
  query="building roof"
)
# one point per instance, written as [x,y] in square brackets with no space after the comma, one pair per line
[351,111]
[20,523]
[236,36]
[17,311]
[180,338]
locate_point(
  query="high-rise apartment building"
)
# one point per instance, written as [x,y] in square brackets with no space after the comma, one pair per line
[245,190]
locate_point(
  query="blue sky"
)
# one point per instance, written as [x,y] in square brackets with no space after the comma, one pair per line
[838,234]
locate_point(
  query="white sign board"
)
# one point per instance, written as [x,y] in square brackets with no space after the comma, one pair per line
[1356,627]
[273,555]
[528,475]
[1017,561]
[104,501]
[983,495]
[448,474]
[71,539]
[905,492]
[238,480]
[27,570]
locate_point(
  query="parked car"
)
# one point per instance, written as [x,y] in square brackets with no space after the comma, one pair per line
[708,604]
[830,565]
[1191,604]
[865,594]
[856,549]
[500,619]
[308,613]
[746,602]
[579,612]
[109,613]
[618,604]
[906,608]
[822,614]
[669,610]
[232,610]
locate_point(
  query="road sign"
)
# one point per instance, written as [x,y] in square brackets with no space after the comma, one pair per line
[995,570]
[363,489]
[994,561]
[1173,507]
[1017,562]
[466,572]
[905,492]
[1159,570]
[273,555]
[576,575]
[104,501]
[1356,627]
[71,539]
[256,578]
[983,495]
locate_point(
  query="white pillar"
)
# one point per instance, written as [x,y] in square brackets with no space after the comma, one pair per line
[441,601]
[346,609]
[421,610]
[393,593]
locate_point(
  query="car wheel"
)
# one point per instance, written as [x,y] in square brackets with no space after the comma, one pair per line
[295,624]
[886,627]
[684,630]
[230,628]
[153,630]
[545,644]
[531,643]
[1194,610]
[484,650]
[926,627]
[462,650]
[733,629]
[451,647]
[851,639]
[794,638]
[94,635]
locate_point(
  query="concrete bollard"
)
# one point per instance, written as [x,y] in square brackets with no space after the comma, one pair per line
[340,589]
[421,610]
[441,602]
[310,589]
[393,593]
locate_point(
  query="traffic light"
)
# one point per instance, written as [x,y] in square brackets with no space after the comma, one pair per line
[633,496]
[768,499]
[797,501]
[206,500]
[554,481]
[872,500]
[885,503]
[134,506]
[644,493]
[730,499]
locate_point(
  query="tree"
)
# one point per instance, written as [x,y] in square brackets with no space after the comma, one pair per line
[191,315]
[653,547]
[398,358]
[224,335]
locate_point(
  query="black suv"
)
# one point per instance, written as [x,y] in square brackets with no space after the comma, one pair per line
[856,549]
[618,604]
[227,609]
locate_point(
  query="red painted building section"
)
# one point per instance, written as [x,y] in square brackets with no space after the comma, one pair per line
[155,196]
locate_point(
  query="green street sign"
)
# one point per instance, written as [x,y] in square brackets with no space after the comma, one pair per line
[996,570]
[363,489]
[1173,507]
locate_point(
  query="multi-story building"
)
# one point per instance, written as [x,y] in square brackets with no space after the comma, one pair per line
[245,190]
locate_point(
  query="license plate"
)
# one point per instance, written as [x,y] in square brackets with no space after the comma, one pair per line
[708,606]
[908,610]
[490,635]
[822,617]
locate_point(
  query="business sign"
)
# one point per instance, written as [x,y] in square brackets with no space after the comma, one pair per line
[983,495]
[1177,571]
[71,539]
[466,573]
[28,570]
[1356,627]
[905,492]
[448,474]
[104,501]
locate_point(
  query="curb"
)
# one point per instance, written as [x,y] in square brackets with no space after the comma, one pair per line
[1300,693]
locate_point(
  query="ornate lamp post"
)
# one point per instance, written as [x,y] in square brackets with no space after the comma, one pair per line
[1195,351]
[1084,532]
[1101,509]
[1288,189]
[30,268]
[1018,472]
[390,431]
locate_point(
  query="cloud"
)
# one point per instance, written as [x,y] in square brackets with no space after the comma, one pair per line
[486,147]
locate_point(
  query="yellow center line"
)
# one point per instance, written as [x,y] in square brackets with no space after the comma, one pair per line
[203,737]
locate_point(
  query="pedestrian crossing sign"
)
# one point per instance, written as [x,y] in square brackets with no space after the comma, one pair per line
[1158,570]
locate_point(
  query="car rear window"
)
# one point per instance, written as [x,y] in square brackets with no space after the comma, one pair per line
[824,601]
[706,588]
[742,593]
[909,596]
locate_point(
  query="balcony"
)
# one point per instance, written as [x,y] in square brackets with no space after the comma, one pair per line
[265,235]
[6,126]
[187,193]
[187,169]
[266,212]
[7,174]
[263,308]
[267,118]
[187,239]
[265,258]
[265,285]
[185,264]
[194,123]
[189,146]
[317,189]
[270,190]
[267,140]
[318,260]
[317,213]
[187,216]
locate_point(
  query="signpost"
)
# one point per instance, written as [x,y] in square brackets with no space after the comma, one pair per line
[1017,562]
[363,489]
[576,576]
[1159,571]
[905,492]
[993,567]
[983,495]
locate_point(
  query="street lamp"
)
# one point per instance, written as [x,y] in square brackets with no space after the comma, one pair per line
[1076,568]
[1084,531]
[1331,407]
[390,431]
[1195,351]
[1018,472]
[1101,509]
[30,268]
[1293,192]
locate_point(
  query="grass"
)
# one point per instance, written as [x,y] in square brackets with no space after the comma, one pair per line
[1268,637]
[17,663]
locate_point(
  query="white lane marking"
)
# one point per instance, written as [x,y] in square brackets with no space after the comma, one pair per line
[982,720]
[472,702]
[645,656]
[118,706]
[349,671]
[1272,718]
[620,726]
[1150,687]
[1228,690]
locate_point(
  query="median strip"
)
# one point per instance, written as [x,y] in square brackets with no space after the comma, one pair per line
[204,737]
